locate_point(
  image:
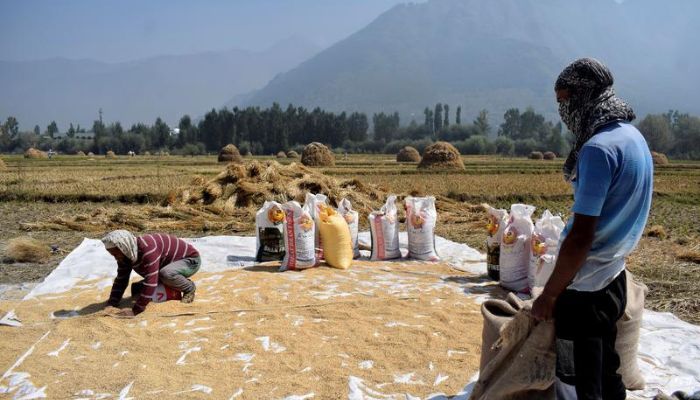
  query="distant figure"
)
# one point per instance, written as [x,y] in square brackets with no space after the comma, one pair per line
[51,153]
[611,171]
[131,153]
[156,257]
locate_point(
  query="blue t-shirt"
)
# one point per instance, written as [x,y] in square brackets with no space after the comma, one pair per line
[613,181]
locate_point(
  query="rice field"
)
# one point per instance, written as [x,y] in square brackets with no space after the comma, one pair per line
[35,190]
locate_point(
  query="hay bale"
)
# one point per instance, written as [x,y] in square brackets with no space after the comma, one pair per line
[317,155]
[441,155]
[657,231]
[110,154]
[27,249]
[659,158]
[550,155]
[146,153]
[230,153]
[536,155]
[91,154]
[292,154]
[281,154]
[3,166]
[408,154]
[80,153]
[34,153]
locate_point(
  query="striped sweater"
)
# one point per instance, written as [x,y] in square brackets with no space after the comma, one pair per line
[154,252]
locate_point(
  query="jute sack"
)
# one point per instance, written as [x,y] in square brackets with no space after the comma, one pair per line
[496,313]
[523,366]
[628,327]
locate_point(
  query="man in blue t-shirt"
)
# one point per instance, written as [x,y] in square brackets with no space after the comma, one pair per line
[611,171]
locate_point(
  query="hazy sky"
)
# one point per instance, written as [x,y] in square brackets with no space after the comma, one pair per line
[120,30]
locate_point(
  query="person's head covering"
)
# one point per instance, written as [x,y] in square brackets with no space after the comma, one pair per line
[592,103]
[124,241]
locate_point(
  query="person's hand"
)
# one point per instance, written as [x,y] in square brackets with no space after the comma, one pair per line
[127,313]
[543,308]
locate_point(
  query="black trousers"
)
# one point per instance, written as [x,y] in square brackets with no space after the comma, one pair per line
[586,331]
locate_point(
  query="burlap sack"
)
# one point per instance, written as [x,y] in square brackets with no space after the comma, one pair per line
[496,313]
[524,364]
[628,327]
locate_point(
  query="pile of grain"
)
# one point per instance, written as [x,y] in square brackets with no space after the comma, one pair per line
[550,155]
[536,155]
[34,153]
[27,249]
[659,158]
[408,154]
[292,154]
[230,153]
[441,155]
[281,154]
[261,335]
[110,154]
[317,155]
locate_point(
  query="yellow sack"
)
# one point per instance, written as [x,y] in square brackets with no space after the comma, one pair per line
[335,238]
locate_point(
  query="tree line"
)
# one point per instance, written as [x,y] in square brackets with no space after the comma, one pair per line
[269,130]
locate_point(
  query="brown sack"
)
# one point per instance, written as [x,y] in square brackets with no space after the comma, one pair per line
[496,313]
[627,341]
[523,363]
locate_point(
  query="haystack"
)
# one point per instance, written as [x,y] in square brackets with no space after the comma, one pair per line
[536,155]
[441,155]
[80,153]
[3,166]
[550,155]
[659,158]
[281,154]
[292,154]
[27,249]
[317,155]
[230,153]
[34,153]
[146,153]
[110,154]
[91,154]
[408,154]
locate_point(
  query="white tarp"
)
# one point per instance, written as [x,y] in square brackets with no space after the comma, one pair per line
[669,352]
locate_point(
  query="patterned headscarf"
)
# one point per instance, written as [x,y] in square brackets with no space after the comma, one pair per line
[124,241]
[592,103]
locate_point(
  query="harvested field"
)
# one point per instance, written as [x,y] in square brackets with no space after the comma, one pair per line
[41,190]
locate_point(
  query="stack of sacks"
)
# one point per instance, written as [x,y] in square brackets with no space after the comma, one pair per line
[544,249]
[514,260]
[299,242]
[497,220]
[269,222]
[421,218]
[384,229]
[352,218]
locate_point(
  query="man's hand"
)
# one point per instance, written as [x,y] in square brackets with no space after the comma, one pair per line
[543,308]
[125,314]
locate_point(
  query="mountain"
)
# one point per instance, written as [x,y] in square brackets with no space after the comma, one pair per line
[169,86]
[497,54]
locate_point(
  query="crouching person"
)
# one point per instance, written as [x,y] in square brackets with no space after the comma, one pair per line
[157,258]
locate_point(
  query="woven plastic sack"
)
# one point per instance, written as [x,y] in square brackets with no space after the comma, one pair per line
[299,230]
[543,249]
[495,225]
[314,203]
[384,229]
[352,218]
[269,224]
[514,260]
[421,218]
[335,238]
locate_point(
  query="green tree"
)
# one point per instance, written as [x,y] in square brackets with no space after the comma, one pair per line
[446,124]
[11,127]
[458,116]
[438,118]
[657,131]
[510,127]
[52,129]
[481,123]
[429,121]
[37,130]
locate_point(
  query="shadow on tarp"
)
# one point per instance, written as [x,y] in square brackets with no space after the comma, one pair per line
[270,267]
[478,285]
[87,310]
